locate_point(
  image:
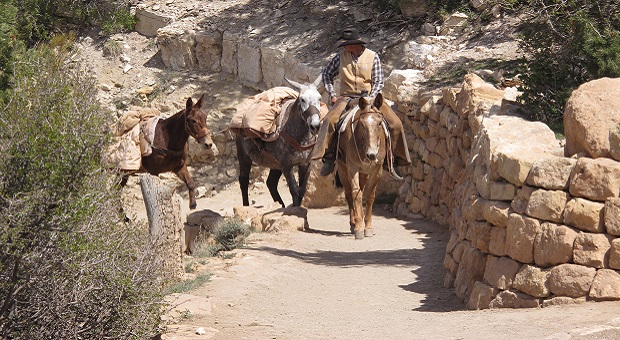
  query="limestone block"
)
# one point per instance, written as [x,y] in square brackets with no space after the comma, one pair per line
[230,48]
[197,222]
[431,107]
[418,56]
[448,118]
[612,216]
[285,219]
[614,254]
[149,22]
[450,264]
[273,66]
[495,191]
[471,269]
[246,214]
[510,299]
[496,212]
[514,164]
[606,285]
[177,47]
[500,272]
[591,111]
[448,281]
[592,250]
[520,202]
[596,179]
[249,62]
[571,280]
[320,191]
[563,301]
[453,23]
[520,236]
[497,243]
[459,250]
[554,245]
[481,296]
[479,234]
[208,50]
[584,215]
[547,205]
[533,281]
[474,91]
[551,173]
[449,95]
[403,86]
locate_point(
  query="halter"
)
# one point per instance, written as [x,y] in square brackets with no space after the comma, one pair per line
[354,121]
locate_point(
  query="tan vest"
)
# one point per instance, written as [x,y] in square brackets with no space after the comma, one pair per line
[356,77]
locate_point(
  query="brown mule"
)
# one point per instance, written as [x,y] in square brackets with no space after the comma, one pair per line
[361,153]
[170,144]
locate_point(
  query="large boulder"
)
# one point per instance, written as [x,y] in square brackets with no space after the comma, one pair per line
[590,112]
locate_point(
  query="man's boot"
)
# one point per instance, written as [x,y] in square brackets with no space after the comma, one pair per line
[329,163]
[329,158]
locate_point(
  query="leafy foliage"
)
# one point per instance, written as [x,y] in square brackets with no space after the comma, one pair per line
[581,43]
[70,268]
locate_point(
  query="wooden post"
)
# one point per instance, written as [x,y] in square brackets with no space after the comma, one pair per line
[163,210]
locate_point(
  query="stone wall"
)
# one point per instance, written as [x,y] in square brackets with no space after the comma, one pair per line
[529,227]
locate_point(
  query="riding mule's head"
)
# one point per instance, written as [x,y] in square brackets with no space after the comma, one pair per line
[369,129]
[309,103]
[196,122]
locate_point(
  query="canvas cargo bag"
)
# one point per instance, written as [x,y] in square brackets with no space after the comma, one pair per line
[256,117]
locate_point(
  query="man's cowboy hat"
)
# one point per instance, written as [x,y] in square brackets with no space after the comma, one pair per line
[350,36]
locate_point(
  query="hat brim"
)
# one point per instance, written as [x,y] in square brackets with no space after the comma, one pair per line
[351,42]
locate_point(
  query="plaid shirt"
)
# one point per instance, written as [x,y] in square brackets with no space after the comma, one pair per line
[332,70]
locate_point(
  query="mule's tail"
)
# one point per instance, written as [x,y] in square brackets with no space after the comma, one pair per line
[337,182]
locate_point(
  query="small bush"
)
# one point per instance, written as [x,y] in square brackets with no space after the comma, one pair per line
[231,234]
[70,267]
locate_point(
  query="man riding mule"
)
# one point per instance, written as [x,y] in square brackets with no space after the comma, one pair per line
[361,74]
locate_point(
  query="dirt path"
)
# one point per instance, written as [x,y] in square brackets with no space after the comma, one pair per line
[323,284]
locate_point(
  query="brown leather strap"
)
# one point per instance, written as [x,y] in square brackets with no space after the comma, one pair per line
[296,144]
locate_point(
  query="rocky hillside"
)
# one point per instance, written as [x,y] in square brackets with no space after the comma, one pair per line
[130,70]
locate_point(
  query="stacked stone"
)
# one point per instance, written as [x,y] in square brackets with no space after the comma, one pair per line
[529,227]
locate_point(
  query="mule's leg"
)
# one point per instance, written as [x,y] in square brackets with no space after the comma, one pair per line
[272,184]
[303,173]
[245,166]
[183,174]
[371,189]
[292,184]
[343,176]
[357,213]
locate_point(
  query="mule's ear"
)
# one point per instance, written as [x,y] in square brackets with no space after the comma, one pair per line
[294,84]
[317,81]
[378,101]
[189,104]
[199,102]
[363,102]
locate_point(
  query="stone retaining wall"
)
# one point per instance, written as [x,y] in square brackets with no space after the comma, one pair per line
[529,227]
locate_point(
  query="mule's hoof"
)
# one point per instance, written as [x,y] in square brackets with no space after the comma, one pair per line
[359,234]
[369,232]
[192,206]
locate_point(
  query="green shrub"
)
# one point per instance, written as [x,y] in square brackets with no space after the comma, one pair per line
[581,42]
[69,264]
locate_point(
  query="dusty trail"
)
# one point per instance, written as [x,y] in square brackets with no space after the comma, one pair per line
[323,284]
